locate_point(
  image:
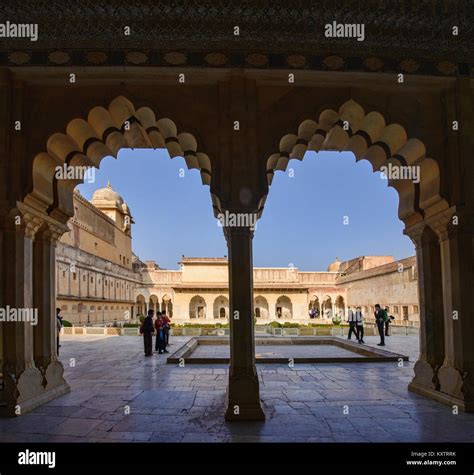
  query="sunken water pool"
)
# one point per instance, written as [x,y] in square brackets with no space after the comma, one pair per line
[216,350]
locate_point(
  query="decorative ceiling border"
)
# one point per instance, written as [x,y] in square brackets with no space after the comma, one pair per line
[217,59]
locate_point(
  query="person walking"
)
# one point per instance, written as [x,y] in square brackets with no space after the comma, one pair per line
[147,330]
[360,324]
[351,318]
[59,325]
[380,317]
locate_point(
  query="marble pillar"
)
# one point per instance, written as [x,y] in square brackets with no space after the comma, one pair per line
[44,300]
[243,392]
[430,293]
[23,382]
[456,375]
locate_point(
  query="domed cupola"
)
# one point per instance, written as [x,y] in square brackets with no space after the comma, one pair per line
[334,266]
[107,198]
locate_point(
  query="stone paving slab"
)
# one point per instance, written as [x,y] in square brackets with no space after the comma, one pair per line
[146,400]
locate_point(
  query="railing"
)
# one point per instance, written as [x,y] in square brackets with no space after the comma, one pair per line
[369,330]
[106,331]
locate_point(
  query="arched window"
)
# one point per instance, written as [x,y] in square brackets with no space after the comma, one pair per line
[221,307]
[284,308]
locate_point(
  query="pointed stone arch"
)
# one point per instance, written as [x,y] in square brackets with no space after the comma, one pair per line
[340,306]
[261,307]
[197,307]
[221,307]
[105,133]
[368,137]
[284,307]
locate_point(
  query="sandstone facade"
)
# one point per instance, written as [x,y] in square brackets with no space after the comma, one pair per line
[97,282]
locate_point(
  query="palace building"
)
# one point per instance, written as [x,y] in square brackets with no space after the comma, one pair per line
[100,281]
[94,275]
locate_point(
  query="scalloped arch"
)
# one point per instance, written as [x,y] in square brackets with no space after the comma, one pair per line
[105,133]
[369,138]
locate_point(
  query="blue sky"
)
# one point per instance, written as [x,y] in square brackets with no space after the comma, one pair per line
[303,220]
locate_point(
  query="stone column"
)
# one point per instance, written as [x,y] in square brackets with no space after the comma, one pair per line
[430,294]
[243,392]
[456,376]
[23,388]
[271,308]
[44,300]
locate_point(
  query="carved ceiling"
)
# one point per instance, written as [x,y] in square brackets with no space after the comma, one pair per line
[412,36]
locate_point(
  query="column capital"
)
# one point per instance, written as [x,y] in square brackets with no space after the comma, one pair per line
[242,231]
[445,224]
[38,225]
[415,232]
[53,232]
[24,222]
[453,222]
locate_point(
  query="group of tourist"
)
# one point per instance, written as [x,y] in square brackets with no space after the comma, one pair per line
[355,318]
[159,326]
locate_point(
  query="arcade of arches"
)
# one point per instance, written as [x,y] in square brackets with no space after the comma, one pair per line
[100,281]
[388,124]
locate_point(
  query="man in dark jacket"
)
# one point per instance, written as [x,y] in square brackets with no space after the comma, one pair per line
[147,331]
[380,317]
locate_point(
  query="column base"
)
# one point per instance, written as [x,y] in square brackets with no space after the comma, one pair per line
[462,404]
[28,391]
[425,375]
[54,375]
[456,384]
[243,401]
[244,412]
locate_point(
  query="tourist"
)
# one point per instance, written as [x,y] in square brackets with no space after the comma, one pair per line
[380,317]
[359,324]
[351,318]
[387,322]
[157,326]
[59,325]
[147,330]
[160,346]
[166,328]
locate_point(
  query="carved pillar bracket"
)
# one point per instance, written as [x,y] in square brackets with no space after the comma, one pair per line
[243,392]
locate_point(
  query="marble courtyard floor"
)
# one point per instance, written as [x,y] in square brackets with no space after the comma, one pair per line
[172,404]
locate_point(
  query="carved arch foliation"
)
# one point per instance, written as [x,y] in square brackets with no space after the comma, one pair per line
[105,133]
[369,138]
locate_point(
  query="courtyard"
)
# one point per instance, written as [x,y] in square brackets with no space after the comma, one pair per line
[118,395]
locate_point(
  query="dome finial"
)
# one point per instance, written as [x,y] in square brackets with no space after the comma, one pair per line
[108,184]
